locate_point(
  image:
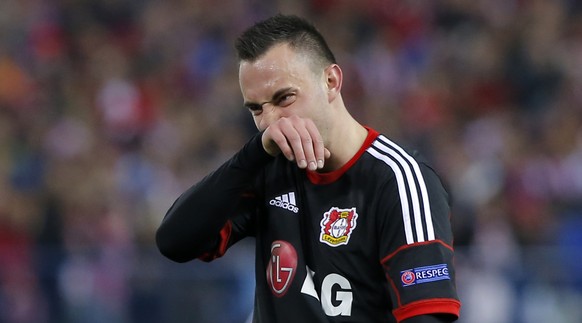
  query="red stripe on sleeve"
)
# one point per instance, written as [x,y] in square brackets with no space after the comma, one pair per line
[225,233]
[429,306]
[385,259]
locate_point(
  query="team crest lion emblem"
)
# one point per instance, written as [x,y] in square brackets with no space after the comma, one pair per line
[337,226]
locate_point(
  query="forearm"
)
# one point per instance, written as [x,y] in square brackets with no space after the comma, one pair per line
[192,223]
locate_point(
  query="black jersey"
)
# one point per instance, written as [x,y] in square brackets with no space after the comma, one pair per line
[370,242]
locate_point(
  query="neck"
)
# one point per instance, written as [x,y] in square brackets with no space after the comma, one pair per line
[345,139]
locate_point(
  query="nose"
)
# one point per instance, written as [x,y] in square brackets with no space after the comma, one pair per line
[269,115]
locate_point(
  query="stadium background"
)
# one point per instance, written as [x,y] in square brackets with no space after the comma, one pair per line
[109,109]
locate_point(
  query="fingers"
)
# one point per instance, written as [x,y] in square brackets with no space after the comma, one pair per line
[318,150]
[298,140]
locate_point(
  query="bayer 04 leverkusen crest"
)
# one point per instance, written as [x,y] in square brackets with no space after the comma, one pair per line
[337,226]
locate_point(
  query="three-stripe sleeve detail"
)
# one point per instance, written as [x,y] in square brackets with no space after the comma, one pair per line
[411,189]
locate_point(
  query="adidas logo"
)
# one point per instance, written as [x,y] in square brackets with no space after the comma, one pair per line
[285,201]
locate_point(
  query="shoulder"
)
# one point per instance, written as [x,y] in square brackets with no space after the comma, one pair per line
[395,157]
[403,166]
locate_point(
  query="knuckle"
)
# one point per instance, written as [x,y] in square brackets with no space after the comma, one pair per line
[294,138]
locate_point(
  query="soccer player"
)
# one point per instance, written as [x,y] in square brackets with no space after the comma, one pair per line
[349,226]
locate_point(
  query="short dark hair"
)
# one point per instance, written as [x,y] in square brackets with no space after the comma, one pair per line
[297,32]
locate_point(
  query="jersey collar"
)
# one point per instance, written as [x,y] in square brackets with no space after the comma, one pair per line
[330,177]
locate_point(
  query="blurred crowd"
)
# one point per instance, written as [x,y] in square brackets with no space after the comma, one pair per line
[109,109]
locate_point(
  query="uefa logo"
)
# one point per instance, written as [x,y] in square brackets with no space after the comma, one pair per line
[408,277]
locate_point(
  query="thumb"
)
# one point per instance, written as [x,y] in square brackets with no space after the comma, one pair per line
[270,145]
[327,153]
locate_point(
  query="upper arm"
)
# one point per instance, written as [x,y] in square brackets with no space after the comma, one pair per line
[198,220]
[416,249]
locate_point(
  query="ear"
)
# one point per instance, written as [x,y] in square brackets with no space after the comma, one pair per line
[333,78]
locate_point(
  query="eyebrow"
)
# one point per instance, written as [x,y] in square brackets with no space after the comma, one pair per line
[256,106]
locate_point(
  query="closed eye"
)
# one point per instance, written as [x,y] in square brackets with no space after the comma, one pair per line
[285,99]
[281,98]
[254,108]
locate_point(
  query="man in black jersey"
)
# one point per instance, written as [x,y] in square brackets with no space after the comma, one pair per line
[349,226]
